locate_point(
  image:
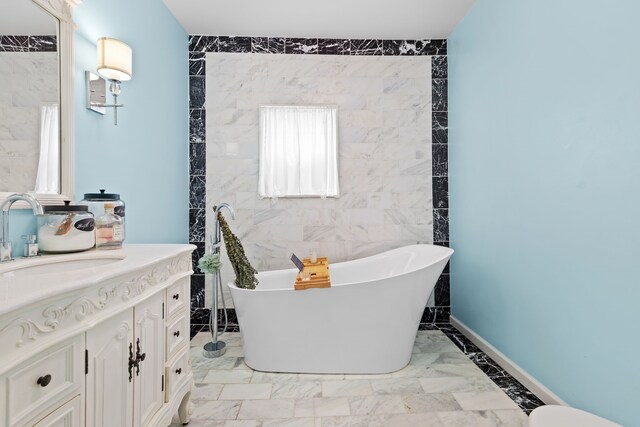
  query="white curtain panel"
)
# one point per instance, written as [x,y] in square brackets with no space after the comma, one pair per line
[298,151]
[48,178]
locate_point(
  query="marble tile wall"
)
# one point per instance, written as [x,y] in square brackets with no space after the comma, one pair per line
[28,78]
[393,157]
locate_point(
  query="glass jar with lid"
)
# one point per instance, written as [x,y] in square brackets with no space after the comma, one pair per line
[66,228]
[99,203]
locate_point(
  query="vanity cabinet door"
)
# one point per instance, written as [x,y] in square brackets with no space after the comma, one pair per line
[150,339]
[109,384]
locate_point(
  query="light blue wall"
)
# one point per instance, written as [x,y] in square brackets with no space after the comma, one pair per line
[145,157]
[545,192]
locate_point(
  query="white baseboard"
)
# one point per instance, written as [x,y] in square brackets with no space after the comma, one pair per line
[546,395]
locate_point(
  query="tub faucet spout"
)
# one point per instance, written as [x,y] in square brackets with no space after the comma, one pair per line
[5,243]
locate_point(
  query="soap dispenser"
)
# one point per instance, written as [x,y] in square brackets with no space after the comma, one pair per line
[30,245]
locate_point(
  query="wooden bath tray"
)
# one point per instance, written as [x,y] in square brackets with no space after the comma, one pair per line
[319,275]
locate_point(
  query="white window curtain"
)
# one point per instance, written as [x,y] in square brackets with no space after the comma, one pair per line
[48,178]
[298,151]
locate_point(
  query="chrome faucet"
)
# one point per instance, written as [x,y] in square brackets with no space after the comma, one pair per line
[5,243]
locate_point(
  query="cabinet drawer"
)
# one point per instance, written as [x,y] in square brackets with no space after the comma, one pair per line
[177,373]
[177,297]
[177,335]
[45,381]
[68,415]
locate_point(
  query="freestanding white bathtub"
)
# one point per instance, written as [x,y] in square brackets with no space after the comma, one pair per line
[366,323]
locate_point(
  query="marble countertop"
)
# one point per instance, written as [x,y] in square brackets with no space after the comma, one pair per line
[20,288]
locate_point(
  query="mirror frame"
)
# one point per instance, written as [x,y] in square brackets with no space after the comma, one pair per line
[62,10]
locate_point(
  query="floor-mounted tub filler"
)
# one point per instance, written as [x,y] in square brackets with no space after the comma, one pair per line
[365,323]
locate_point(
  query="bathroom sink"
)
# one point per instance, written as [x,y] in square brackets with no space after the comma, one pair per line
[56,264]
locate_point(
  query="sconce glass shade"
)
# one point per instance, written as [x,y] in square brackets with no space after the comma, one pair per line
[114,59]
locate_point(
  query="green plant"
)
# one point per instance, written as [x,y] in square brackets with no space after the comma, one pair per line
[209,263]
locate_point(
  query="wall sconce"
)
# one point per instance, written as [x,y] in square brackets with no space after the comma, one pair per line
[115,64]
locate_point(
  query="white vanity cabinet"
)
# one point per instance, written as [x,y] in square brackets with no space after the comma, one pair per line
[108,350]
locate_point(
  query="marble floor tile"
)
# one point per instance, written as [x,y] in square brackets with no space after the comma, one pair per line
[227,377]
[263,409]
[273,377]
[478,401]
[396,386]
[432,402]
[296,390]
[362,421]
[216,410]
[290,422]
[412,420]
[206,391]
[366,405]
[470,418]
[245,391]
[456,384]
[441,387]
[331,406]
[346,388]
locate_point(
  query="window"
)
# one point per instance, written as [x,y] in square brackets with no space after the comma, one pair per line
[298,151]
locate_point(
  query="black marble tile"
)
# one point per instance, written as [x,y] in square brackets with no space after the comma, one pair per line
[439,67]
[195,330]
[197,291]
[260,45]
[43,44]
[431,47]
[301,46]
[14,43]
[197,63]
[196,225]
[197,125]
[439,161]
[441,291]
[441,225]
[203,43]
[525,399]
[445,244]
[234,44]
[197,191]
[447,268]
[489,366]
[462,342]
[197,92]
[428,327]
[366,47]
[232,318]
[196,255]
[439,94]
[440,188]
[197,159]
[276,44]
[334,46]
[439,127]
[200,316]
[436,315]
[399,47]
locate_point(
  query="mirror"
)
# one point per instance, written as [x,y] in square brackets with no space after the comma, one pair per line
[35,93]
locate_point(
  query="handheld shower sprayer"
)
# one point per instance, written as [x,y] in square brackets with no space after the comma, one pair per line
[216,348]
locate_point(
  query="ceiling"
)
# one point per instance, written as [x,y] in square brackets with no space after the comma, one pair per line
[23,17]
[377,19]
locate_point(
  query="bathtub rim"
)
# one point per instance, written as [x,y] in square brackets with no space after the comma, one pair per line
[448,253]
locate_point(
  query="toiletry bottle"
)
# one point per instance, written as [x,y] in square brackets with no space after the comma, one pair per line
[109,229]
[30,245]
